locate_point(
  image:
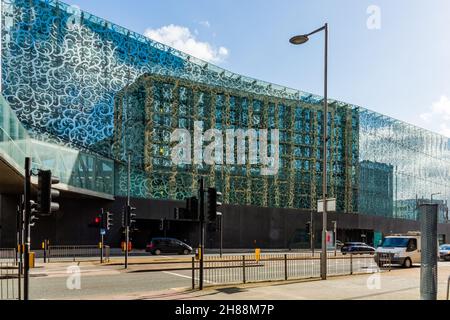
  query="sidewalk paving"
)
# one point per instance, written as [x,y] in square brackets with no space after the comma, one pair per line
[396,285]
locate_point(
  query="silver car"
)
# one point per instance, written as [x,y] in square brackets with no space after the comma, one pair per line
[444,252]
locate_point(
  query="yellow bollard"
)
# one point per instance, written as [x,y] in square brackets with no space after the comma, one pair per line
[257,255]
[198,254]
[32,260]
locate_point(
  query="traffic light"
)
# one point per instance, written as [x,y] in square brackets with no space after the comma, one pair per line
[308,228]
[33,217]
[192,208]
[213,204]
[103,220]
[130,218]
[97,222]
[124,217]
[109,220]
[46,194]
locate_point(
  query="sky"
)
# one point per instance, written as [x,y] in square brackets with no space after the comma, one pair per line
[389,56]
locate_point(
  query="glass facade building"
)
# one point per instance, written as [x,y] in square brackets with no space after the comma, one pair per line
[83,83]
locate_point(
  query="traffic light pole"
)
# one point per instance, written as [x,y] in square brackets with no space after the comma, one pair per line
[20,244]
[202,230]
[312,233]
[27,238]
[127,224]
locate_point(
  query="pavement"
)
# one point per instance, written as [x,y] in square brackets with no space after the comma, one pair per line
[112,282]
[399,284]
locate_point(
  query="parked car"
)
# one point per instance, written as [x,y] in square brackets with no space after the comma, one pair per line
[444,252]
[357,248]
[339,244]
[158,246]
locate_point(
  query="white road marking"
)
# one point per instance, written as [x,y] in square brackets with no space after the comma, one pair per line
[177,275]
[183,276]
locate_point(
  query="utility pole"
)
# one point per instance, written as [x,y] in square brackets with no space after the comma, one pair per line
[27,238]
[201,195]
[298,40]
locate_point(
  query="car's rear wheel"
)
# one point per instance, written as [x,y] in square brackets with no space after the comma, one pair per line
[407,263]
[157,252]
[185,252]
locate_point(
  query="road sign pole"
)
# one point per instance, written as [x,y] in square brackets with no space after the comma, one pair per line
[221,235]
[102,244]
[202,230]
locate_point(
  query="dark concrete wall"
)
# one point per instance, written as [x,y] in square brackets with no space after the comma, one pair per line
[8,224]
[270,227]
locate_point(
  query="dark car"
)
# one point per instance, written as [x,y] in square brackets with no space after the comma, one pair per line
[339,244]
[357,248]
[159,246]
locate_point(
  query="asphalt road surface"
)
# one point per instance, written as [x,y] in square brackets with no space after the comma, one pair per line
[93,286]
[93,281]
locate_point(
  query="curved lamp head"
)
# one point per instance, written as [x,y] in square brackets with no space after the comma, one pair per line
[297,40]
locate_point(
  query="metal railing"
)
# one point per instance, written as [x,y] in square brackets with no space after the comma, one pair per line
[9,275]
[76,253]
[8,254]
[238,269]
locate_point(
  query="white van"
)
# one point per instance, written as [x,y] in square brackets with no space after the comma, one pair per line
[403,249]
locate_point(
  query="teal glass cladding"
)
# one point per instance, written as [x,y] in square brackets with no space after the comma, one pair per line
[80,81]
[408,163]
[73,168]
[148,111]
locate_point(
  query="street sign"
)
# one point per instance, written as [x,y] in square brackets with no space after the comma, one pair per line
[102,232]
[330,240]
[331,205]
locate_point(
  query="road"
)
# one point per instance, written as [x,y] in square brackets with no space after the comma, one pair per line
[49,281]
[96,283]
[106,283]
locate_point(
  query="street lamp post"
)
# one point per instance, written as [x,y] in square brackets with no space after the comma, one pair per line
[298,40]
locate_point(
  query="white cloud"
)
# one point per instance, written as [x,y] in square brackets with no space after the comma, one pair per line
[438,116]
[183,39]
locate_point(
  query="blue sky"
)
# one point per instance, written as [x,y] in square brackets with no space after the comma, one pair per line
[401,69]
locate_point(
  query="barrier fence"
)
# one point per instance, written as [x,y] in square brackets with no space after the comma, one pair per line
[9,275]
[77,253]
[241,269]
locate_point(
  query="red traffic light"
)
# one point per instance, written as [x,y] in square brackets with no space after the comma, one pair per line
[97,220]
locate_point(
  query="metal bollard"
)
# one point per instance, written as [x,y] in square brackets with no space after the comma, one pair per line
[285,268]
[351,263]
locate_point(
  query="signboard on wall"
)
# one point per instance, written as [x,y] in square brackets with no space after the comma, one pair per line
[331,205]
[330,240]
